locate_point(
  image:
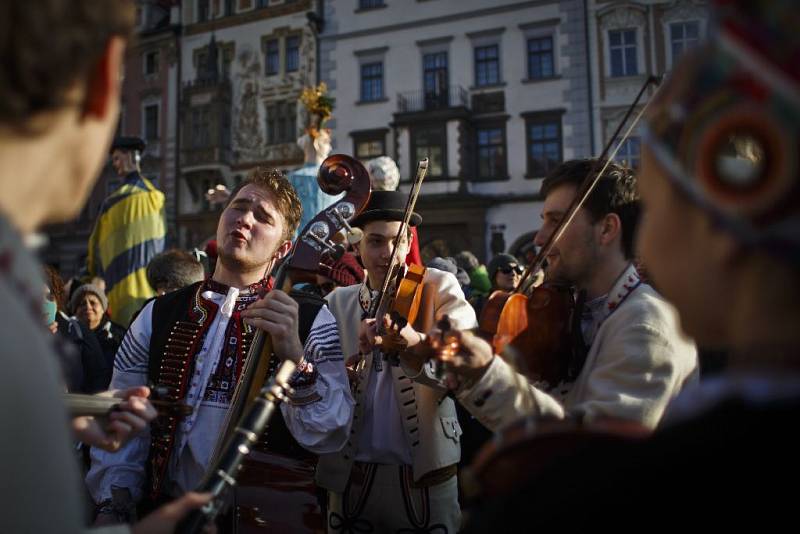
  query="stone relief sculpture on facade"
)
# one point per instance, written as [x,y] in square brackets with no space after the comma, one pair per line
[248,141]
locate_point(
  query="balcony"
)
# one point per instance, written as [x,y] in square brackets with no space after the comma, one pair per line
[448,103]
[450,97]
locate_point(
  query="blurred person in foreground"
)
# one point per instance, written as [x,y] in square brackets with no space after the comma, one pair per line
[59,105]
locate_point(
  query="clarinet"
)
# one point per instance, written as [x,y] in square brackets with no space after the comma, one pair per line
[221,475]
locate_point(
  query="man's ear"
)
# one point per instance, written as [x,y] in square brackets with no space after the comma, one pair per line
[611,227]
[103,85]
[283,250]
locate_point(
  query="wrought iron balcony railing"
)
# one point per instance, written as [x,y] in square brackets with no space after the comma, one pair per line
[448,97]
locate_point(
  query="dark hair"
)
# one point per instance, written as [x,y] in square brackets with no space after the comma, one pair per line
[173,269]
[273,181]
[615,193]
[56,285]
[49,45]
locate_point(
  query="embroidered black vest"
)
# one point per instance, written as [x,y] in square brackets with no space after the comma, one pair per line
[181,320]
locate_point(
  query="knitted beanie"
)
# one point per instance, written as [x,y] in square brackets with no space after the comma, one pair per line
[81,291]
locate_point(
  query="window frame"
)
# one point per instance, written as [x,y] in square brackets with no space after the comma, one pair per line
[625,146]
[670,42]
[145,62]
[414,134]
[440,99]
[206,12]
[149,104]
[542,118]
[478,62]
[281,120]
[623,48]
[277,56]
[288,67]
[373,80]
[369,136]
[366,5]
[492,125]
[539,53]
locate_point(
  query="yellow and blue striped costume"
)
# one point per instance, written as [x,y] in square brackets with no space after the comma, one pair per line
[129,231]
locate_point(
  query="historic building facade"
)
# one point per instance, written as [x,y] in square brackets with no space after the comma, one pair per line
[494,93]
[149,109]
[630,42]
[244,64]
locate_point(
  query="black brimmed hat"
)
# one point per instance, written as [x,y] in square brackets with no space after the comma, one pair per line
[386,206]
[128,143]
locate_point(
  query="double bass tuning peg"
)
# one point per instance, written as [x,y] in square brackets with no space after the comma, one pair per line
[353,235]
[331,249]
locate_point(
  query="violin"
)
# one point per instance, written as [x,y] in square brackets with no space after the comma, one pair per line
[268,477]
[537,328]
[403,293]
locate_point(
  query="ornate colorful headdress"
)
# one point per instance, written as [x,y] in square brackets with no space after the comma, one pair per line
[727,129]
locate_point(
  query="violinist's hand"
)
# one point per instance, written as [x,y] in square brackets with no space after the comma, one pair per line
[410,336]
[276,314]
[366,336]
[111,432]
[464,356]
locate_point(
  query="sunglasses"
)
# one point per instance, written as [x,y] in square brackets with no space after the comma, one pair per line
[508,269]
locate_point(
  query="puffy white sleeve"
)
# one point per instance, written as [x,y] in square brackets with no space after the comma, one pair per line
[126,467]
[320,410]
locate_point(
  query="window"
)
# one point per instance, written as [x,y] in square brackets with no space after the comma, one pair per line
[630,152]
[200,127]
[435,79]
[202,10]
[229,8]
[682,36]
[292,53]
[369,149]
[487,65]
[622,52]
[151,122]
[273,58]
[544,145]
[368,144]
[202,62]
[430,142]
[281,122]
[491,144]
[369,4]
[151,63]
[540,58]
[371,82]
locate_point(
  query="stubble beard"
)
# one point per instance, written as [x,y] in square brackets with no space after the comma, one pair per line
[243,264]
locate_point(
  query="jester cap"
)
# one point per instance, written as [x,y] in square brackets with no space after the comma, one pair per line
[726,126]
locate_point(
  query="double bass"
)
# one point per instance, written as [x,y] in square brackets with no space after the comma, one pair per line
[268,489]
